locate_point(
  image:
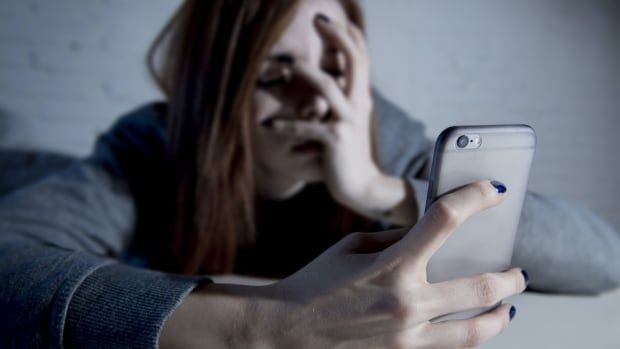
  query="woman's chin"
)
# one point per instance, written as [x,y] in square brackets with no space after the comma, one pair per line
[312,174]
[307,168]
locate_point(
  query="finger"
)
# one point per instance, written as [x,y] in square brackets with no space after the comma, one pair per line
[325,85]
[450,334]
[341,68]
[312,130]
[367,243]
[337,35]
[344,36]
[471,332]
[360,86]
[444,216]
[478,291]
[358,37]
[350,40]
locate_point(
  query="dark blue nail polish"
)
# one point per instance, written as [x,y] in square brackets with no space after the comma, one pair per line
[512,313]
[499,186]
[526,277]
[322,18]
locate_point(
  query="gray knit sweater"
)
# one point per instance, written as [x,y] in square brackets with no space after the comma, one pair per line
[68,278]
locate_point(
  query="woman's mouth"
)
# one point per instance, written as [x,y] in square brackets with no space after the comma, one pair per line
[309,147]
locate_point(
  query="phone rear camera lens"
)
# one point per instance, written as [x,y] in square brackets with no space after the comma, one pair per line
[462,141]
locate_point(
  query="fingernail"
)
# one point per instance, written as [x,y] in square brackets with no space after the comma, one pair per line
[512,313]
[499,186]
[525,277]
[322,18]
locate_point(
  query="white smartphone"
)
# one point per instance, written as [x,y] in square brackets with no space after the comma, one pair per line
[484,243]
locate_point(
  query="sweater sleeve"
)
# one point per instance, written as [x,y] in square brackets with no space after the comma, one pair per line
[564,247]
[62,283]
[402,147]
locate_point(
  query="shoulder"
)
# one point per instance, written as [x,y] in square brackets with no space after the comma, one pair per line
[401,139]
[141,124]
[135,139]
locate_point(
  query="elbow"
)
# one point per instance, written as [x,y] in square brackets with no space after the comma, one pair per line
[605,264]
[606,275]
[584,274]
[599,274]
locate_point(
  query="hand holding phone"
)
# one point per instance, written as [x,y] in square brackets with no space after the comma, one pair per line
[466,154]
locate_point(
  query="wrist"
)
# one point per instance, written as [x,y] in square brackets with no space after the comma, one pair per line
[388,198]
[214,316]
[354,192]
[384,193]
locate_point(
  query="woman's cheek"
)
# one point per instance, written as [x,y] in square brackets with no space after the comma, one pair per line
[264,106]
[269,149]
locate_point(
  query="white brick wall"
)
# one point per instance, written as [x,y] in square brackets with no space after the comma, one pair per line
[553,64]
[68,68]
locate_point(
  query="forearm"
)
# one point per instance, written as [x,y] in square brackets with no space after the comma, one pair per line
[53,234]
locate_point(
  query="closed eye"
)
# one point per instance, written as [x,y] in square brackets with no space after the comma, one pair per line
[276,71]
[267,83]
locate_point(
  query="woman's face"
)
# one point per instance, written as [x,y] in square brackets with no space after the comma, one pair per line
[286,164]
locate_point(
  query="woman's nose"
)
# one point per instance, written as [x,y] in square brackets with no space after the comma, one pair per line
[314,108]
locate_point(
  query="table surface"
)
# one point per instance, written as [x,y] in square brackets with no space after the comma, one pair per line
[554,321]
[547,321]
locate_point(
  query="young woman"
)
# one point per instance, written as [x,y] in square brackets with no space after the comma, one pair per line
[270,150]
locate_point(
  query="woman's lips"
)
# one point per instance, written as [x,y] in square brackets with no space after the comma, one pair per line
[310,147]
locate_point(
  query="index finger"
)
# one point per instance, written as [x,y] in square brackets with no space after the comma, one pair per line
[325,85]
[441,220]
[350,41]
